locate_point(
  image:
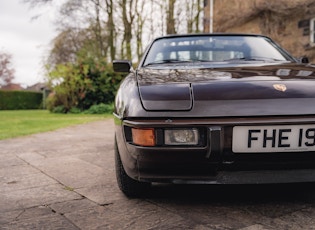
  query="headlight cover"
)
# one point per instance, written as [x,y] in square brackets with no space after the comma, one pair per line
[181,136]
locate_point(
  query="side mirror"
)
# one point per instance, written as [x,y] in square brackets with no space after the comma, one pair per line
[122,66]
[303,59]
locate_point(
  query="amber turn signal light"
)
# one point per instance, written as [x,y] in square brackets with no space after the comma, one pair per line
[143,137]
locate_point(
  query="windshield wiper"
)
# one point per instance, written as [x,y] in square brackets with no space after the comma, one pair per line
[165,61]
[253,58]
[201,60]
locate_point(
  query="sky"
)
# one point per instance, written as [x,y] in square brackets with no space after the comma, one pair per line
[26,39]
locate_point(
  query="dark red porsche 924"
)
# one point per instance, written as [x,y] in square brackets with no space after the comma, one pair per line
[214,108]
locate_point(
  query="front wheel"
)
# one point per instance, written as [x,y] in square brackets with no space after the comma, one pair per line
[129,186]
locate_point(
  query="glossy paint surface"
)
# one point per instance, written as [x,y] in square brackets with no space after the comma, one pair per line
[279,89]
[214,97]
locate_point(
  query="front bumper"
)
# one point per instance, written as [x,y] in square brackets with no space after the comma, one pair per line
[255,177]
[214,163]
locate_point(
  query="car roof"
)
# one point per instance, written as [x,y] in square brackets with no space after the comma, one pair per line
[210,35]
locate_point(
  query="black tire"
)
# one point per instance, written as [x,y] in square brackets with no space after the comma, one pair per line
[130,187]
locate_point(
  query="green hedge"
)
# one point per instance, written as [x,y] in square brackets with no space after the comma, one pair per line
[12,100]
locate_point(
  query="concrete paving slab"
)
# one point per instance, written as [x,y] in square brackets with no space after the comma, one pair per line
[52,221]
[10,216]
[102,194]
[255,227]
[66,180]
[31,197]
[12,183]
[7,204]
[23,214]
[72,206]
[69,170]
[143,215]
[17,171]
[28,157]
[9,160]
[99,157]
[301,219]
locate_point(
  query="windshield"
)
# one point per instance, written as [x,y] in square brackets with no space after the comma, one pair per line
[214,49]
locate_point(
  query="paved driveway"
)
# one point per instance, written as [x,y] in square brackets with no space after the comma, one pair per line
[65,180]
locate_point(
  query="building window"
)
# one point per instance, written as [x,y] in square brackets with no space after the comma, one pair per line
[312,31]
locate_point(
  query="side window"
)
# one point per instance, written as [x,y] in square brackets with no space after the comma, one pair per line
[312,31]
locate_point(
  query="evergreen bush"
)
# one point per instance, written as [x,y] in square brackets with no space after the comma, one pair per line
[100,109]
[14,100]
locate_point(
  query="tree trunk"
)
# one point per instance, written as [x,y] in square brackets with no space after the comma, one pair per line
[170,20]
[98,30]
[127,26]
[197,17]
[111,29]
[139,30]
[206,20]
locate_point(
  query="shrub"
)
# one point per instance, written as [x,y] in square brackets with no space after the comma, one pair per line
[100,109]
[82,84]
[13,100]
[69,83]
[75,110]
[59,109]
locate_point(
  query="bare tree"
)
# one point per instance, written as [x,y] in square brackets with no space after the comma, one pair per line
[65,47]
[111,28]
[128,9]
[35,3]
[98,28]
[118,28]
[198,16]
[170,19]
[89,16]
[6,71]
[141,18]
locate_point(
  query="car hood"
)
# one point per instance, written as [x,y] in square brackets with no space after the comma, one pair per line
[248,90]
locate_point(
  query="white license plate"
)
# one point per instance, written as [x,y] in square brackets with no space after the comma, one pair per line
[288,138]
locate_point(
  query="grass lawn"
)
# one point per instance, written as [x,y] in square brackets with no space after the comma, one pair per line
[14,123]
